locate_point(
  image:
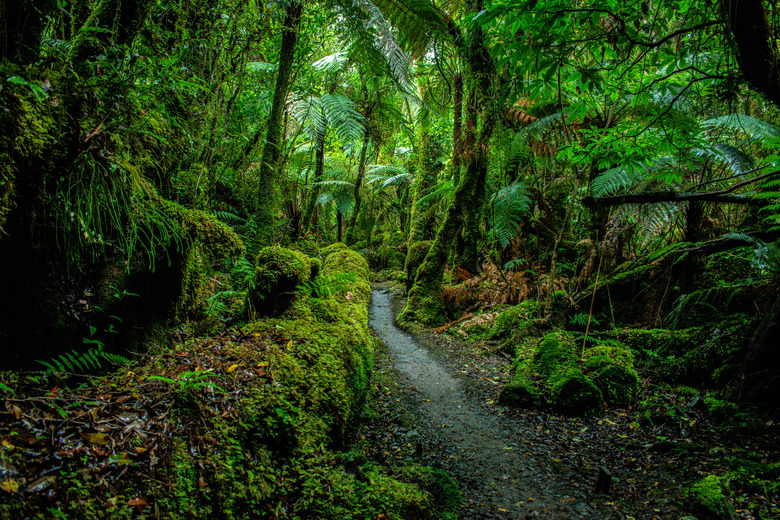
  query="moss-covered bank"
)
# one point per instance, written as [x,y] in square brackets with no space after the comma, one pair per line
[244,425]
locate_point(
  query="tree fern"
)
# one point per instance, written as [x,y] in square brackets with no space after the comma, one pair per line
[343,117]
[332,63]
[510,204]
[735,159]
[754,128]
[388,175]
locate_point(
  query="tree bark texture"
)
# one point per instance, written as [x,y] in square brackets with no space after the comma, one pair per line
[269,163]
[753,38]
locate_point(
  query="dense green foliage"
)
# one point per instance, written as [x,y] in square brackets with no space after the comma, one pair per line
[606,173]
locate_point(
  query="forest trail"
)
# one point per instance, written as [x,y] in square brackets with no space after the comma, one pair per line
[492,457]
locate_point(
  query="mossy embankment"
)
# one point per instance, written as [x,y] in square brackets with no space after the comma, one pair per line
[251,423]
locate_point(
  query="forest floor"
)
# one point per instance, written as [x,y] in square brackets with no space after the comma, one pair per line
[435,402]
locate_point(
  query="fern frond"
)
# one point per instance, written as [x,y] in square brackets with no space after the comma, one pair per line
[736,160]
[754,128]
[331,63]
[343,117]
[510,204]
[228,218]
[385,42]
[441,191]
[83,362]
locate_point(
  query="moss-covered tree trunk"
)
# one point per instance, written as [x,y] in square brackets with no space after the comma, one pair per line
[351,228]
[457,133]
[269,163]
[422,220]
[319,169]
[424,303]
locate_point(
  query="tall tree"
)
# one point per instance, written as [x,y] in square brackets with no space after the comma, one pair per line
[269,163]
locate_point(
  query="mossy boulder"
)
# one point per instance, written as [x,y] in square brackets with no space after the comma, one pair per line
[572,392]
[556,352]
[618,384]
[520,392]
[611,368]
[241,426]
[278,273]
[516,321]
[332,248]
[216,238]
[711,495]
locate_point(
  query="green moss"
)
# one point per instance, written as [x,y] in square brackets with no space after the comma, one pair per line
[720,410]
[316,267]
[572,392]
[516,321]
[618,384]
[556,352]
[194,279]
[278,273]
[603,355]
[216,238]
[423,307]
[711,494]
[414,259]
[337,246]
[307,247]
[520,392]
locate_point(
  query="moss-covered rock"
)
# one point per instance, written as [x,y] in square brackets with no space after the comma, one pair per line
[215,237]
[241,426]
[556,352]
[337,246]
[611,368]
[520,392]
[278,274]
[711,494]
[519,320]
[572,392]
[618,384]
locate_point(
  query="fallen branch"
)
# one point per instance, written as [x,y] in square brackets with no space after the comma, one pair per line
[450,324]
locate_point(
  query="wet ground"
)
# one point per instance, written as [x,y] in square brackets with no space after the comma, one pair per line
[501,463]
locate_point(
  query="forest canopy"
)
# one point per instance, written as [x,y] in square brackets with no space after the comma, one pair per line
[545,141]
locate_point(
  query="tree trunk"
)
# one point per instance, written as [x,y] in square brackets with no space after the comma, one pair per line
[753,37]
[271,151]
[351,228]
[758,379]
[457,134]
[424,303]
[422,221]
[319,169]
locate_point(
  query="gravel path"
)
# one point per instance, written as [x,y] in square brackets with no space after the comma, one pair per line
[498,461]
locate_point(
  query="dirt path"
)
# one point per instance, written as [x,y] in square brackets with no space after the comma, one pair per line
[498,462]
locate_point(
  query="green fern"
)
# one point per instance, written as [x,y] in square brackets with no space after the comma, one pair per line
[83,362]
[229,218]
[327,285]
[735,159]
[510,204]
[243,273]
[388,175]
[754,128]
